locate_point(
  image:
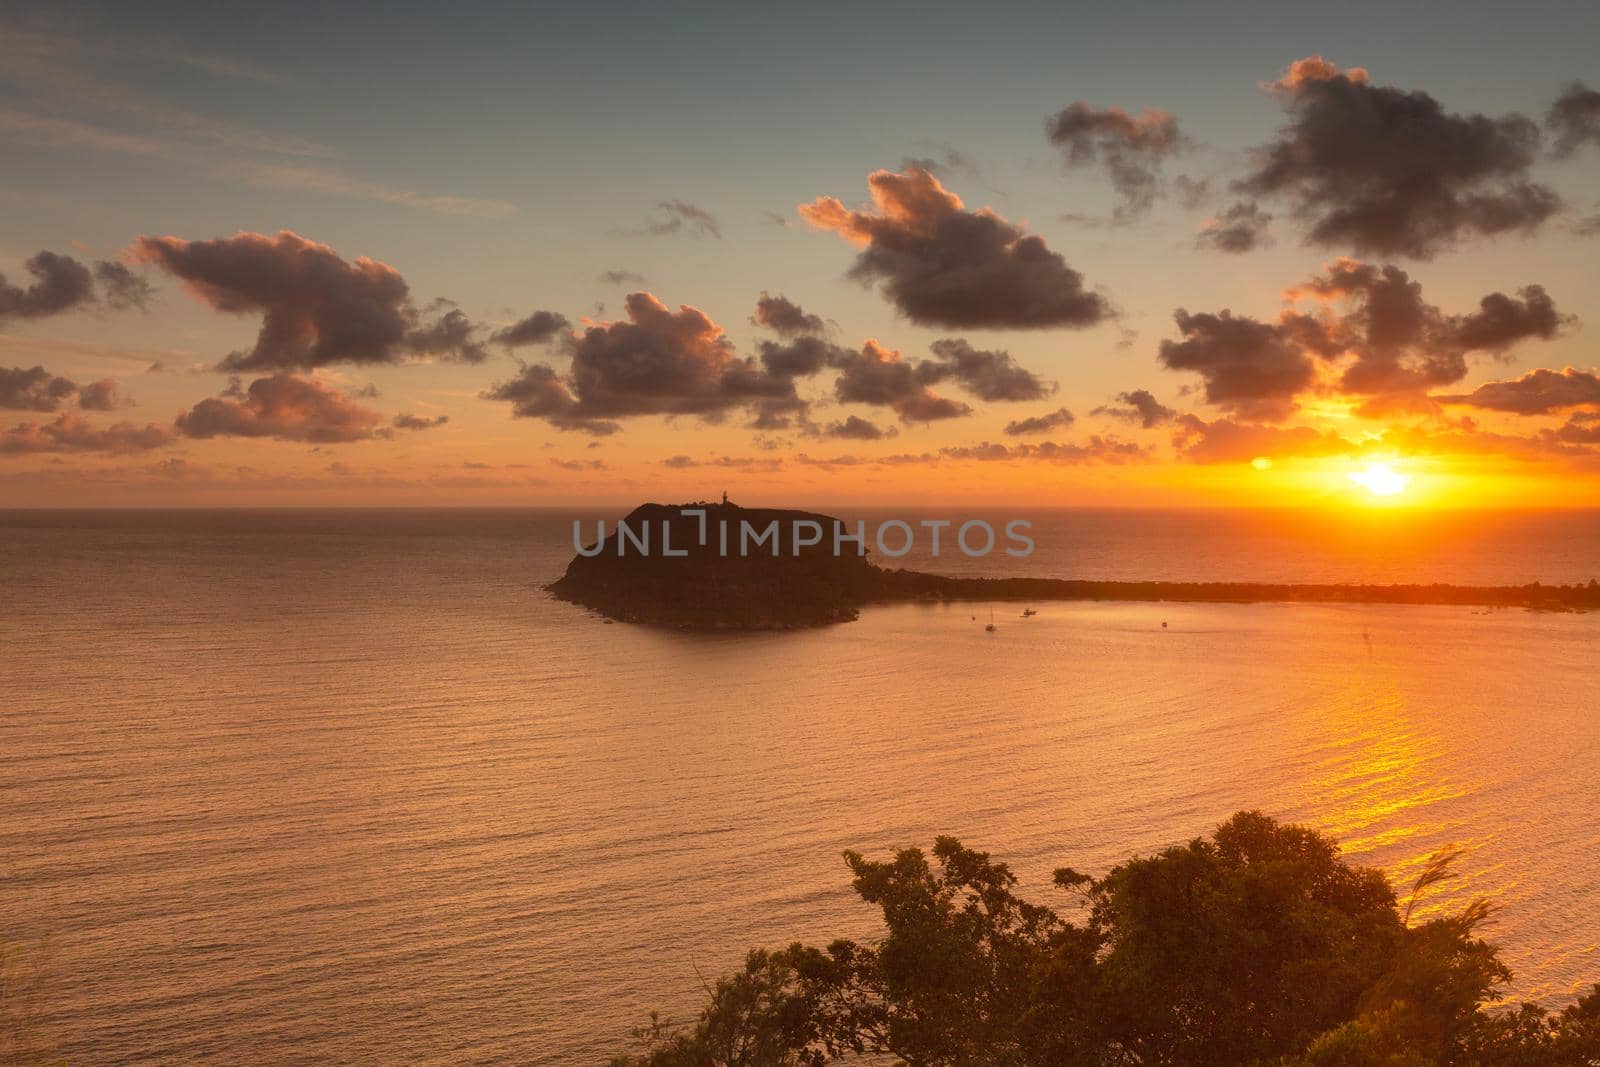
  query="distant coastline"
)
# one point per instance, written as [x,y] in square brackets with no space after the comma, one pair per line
[704,589]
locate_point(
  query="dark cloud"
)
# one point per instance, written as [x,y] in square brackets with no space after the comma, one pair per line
[784,317]
[1131,147]
[408,421]
[1374,330]
[1249,367]
[1242,227]
[60,284]
[538,392]
[68,432]
[801,357]
[679,217]
[987,375]
[103,395]
[1538,392]
[1404,345]
[284,407]
[1574,120]
[120,288]
[656,362]
[1138,405]
[879,376]
[1058,419]
[451,337]
[620,277]
[316,308]
[33,389]
[942,265]
[1385,171]
[855,428]
[1501,321]
[1227,441]
[1581,428]
[535,329]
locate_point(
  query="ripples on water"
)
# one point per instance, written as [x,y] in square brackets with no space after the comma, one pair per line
[311,787]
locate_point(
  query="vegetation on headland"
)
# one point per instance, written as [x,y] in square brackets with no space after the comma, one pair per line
[1257,946]
[712,585]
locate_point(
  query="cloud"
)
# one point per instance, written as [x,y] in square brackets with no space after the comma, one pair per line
[60,284]
[538,392]
[855,428]
[452,337]
[801,357]
[941,265]
[284,407]
[1249,367]
[1097,449]
[1373,332]
[1138,405]
[1574,120]
[1539,392]
[673,218]
[1131,147]
[103,395]
[36,389]
[33,389]
[316,308]
[1227,441]
[1242,227]
[784,317]
[1385,171]
[535,329]
[1581,428]
[70,433]
[120,288]
[987,375]
[879,376]
[656,362]
[1404,345]
[408,421]
[1058,419]
[580,464]
[741,463]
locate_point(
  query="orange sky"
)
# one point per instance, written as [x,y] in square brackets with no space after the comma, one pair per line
[1120,301]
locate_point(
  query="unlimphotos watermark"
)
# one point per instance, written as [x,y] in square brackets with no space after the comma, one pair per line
[893,538]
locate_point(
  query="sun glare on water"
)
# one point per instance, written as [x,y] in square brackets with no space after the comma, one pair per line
[1381,479]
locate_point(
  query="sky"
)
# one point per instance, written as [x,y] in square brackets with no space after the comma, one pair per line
[572,254]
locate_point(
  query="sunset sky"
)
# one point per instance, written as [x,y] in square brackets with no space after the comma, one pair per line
[588,254]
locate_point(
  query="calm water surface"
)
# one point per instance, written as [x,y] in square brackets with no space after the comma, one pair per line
[296,787]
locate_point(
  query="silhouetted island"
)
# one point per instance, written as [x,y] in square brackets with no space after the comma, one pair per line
[681,571]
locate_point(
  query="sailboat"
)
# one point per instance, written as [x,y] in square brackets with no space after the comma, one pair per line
[990,627]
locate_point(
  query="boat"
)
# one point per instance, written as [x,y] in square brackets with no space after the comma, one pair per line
[1028,613]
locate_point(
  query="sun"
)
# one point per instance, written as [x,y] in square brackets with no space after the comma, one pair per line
[1381,479]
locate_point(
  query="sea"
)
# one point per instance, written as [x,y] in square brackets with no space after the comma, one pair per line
[348,786]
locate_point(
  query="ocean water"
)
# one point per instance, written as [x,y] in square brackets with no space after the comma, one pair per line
[310,787]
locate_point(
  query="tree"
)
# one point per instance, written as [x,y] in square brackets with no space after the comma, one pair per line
[1256,946]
